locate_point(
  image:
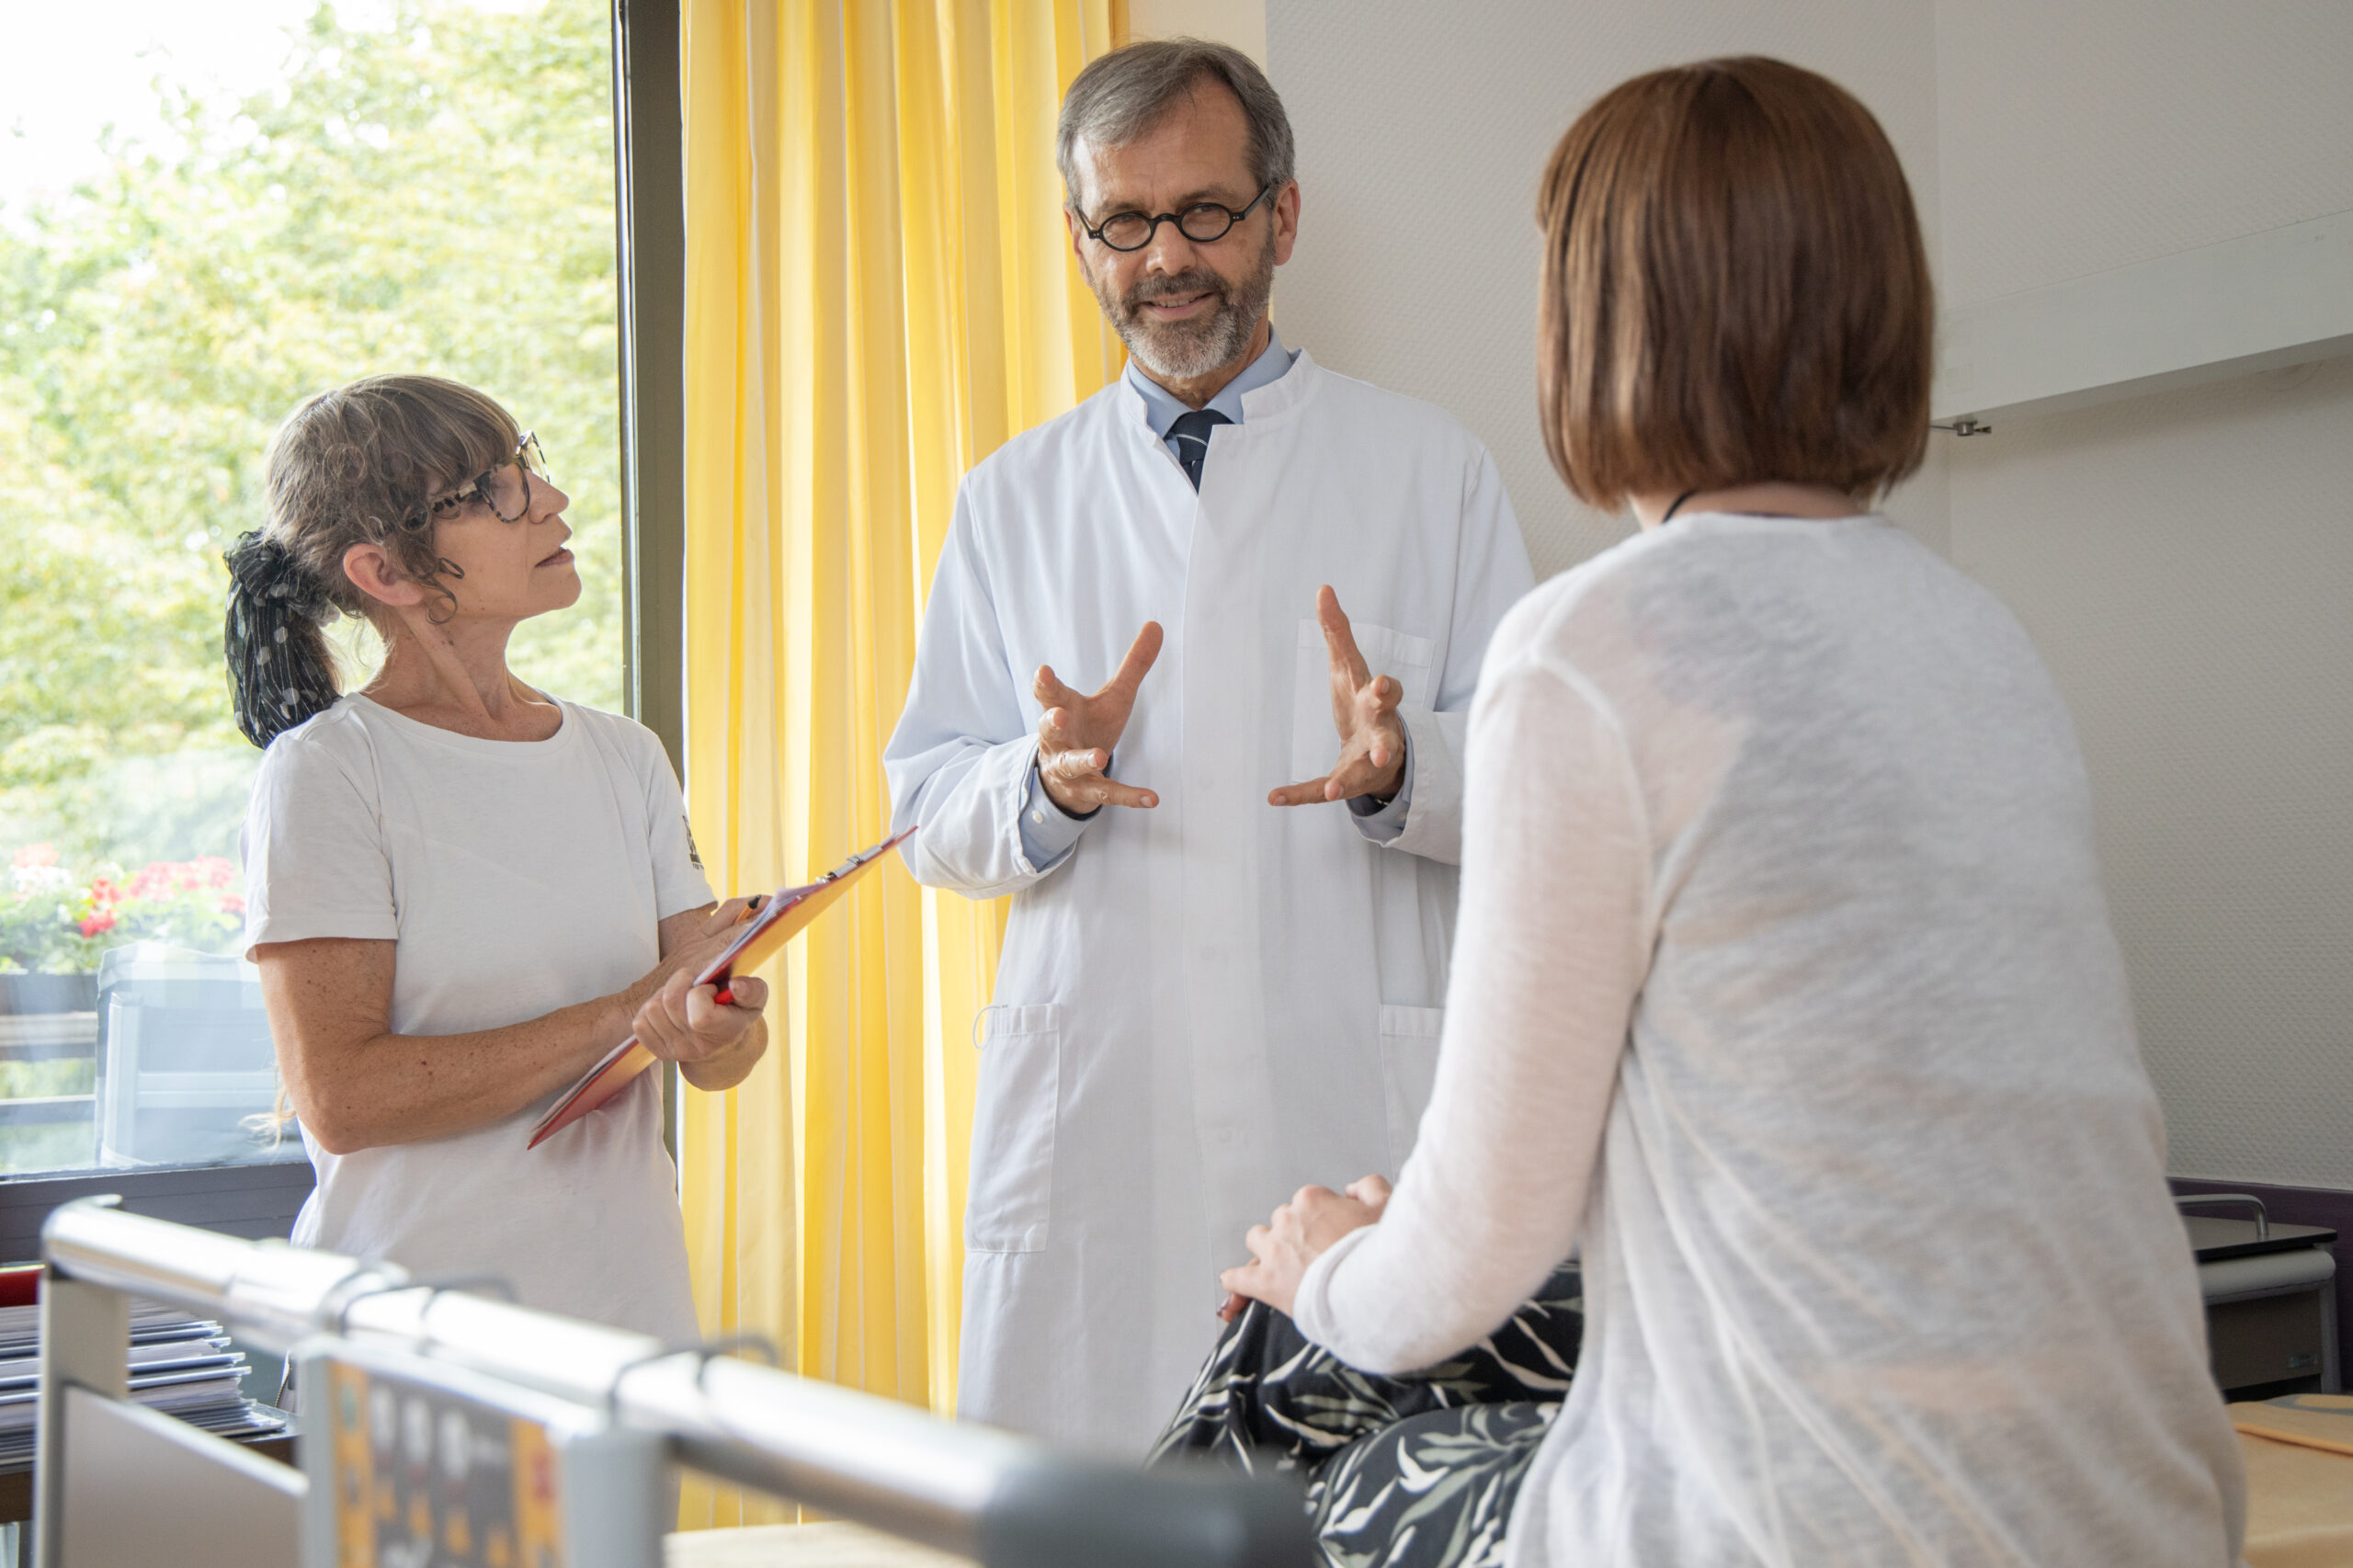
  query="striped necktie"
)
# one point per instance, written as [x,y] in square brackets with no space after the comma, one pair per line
[1191,434]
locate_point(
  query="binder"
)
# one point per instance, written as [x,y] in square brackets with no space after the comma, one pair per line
[777,920]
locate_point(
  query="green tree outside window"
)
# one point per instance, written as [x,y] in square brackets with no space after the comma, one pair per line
[435,197]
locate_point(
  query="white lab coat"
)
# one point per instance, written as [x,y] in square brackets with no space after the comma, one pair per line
[1203,1006]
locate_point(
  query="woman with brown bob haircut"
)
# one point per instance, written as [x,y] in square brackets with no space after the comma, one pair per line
[1783,991]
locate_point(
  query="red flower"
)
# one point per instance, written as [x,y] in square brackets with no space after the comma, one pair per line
[98,924]
[162,879]
[231,904]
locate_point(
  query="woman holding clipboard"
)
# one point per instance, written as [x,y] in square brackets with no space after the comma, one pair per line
[462,891]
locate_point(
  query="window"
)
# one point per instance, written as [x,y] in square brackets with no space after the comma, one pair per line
[214,213]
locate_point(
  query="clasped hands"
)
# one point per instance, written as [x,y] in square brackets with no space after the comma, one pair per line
[1300,1232]
[1078,733]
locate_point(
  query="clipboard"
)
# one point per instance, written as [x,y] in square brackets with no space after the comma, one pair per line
[776,921]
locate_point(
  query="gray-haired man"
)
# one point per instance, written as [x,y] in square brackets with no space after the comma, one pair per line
[1206,1000]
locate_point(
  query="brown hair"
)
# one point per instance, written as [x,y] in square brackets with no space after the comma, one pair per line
[361,464]
[1734,289]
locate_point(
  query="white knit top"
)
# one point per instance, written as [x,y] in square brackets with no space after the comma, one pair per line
[1784,987]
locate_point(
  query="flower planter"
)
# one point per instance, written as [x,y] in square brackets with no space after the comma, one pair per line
[186,1066]
[88,938]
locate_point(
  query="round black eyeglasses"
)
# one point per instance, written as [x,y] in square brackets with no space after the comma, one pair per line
[1201,222]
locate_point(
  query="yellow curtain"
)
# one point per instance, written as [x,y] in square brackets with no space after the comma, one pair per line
[878,292]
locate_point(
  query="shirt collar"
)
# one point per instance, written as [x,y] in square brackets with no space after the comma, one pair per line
[1162,407]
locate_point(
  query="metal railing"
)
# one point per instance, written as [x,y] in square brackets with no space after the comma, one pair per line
[975,1490]
[48,1037]
[48,1110]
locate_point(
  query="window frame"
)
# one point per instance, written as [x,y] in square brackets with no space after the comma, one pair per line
[238,1200]
[649,212]
[650,209]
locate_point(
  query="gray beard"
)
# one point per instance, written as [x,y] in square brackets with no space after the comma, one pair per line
[1183,350]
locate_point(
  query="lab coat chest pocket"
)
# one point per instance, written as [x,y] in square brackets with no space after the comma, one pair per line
[1315,739]
[1409,1038]
[1010,1199]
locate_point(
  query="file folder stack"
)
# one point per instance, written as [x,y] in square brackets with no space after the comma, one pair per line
[179,1365]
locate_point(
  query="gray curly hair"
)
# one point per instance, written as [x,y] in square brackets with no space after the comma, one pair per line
[358,465]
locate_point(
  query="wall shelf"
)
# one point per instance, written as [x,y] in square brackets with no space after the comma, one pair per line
[2266,301]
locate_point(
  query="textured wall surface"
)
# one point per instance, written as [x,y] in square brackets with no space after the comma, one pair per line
[2184,559]
[2078,135]
[1423,130]
[2185,563]
[1242,23]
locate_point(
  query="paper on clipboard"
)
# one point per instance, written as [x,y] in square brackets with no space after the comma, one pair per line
[779,919]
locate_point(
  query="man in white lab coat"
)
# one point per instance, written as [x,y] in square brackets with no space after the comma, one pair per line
[1233,865]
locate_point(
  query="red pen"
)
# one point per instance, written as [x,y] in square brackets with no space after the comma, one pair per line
[725,994]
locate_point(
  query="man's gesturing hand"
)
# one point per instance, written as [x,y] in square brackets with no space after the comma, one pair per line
[1364,707]
[1077,733]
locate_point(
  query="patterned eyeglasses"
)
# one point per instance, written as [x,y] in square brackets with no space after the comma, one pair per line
[527,459]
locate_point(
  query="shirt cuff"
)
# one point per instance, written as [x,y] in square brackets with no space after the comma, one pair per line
[1310,1309]
[1048,832]
[1382,821]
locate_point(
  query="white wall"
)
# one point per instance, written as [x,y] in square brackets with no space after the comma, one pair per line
[1422,131]
[2076,136]
[1242,23]
[2185,561]
[2184,564]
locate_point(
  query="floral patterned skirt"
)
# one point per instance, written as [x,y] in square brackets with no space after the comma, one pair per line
[1416,1471]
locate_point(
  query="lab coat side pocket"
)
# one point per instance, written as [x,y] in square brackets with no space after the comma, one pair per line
[1409,1038]
[1009,1202]
[1315,738]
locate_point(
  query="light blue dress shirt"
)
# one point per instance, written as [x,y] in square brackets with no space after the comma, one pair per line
[1048,832]
[1163,408]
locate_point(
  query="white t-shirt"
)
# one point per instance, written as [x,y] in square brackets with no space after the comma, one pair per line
[1784,985]
[517,878]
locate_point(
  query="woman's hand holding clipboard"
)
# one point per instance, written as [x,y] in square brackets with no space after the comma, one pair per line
[767,925]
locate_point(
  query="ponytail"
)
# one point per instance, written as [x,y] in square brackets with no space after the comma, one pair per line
[279,670]
[358,465]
